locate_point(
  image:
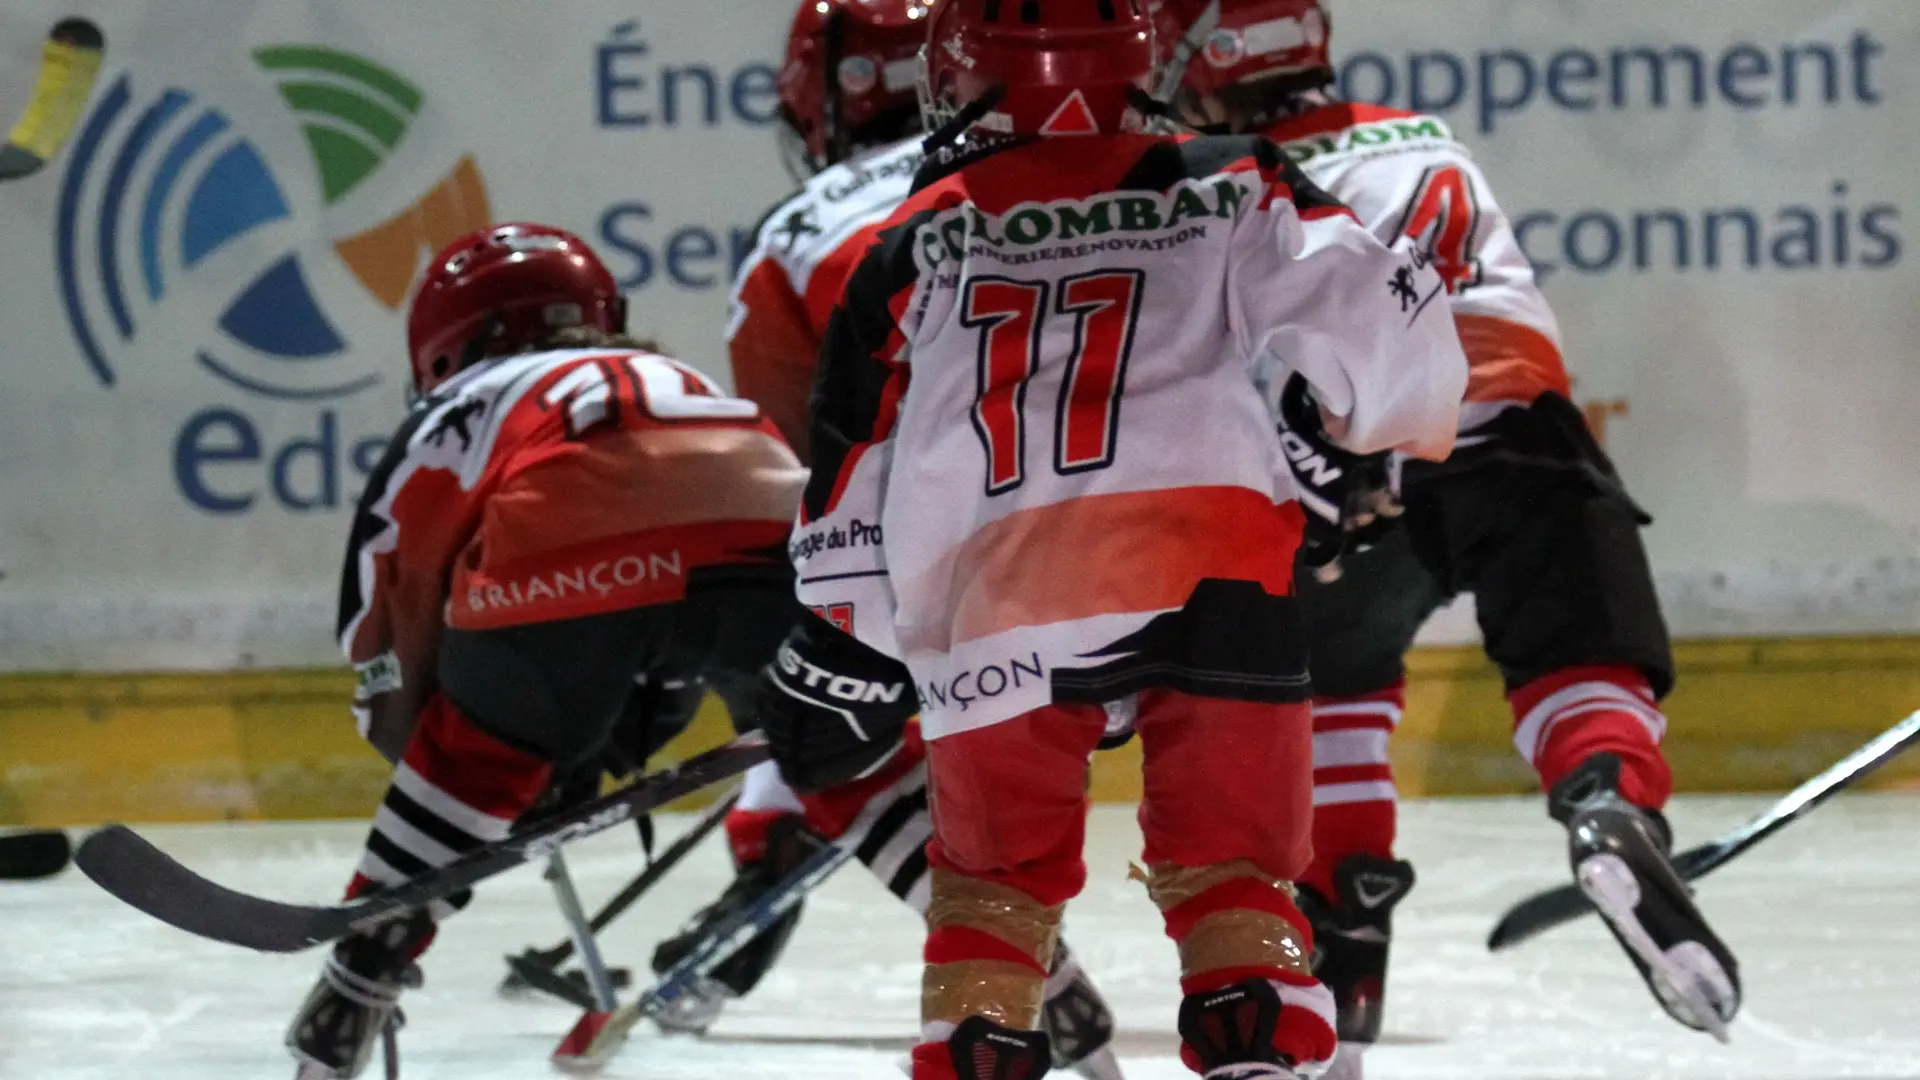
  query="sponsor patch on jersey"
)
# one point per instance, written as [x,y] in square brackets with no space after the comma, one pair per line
[607,579]
[1373,137]
[1118,218]
[380,675]
[986,682]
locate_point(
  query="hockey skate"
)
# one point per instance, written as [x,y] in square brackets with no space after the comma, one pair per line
[357,1002]
[980,1049]
[1077,1020]
[1351,935]
[788,845]
[1621,858]
[1228,1034]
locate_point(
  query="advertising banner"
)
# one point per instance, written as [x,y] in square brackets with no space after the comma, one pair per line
[202,291]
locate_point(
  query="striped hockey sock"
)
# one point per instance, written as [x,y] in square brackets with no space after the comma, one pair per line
[1353,792]
[1562,719]
[456,788]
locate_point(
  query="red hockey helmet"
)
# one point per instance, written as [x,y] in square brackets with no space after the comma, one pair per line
[1208,45]
[502,289]
[850,77]
[1060,67]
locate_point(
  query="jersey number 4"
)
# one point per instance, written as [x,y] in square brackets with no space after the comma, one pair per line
[1443,218]
[1104,307]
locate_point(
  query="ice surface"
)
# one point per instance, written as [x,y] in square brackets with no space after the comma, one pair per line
[1825,917]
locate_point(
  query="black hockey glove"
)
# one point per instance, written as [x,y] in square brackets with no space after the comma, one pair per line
[1349,498]
[833,709]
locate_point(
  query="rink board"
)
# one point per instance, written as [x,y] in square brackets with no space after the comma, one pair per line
[1750,715]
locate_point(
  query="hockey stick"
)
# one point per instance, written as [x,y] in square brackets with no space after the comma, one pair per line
[598,1036]
[69,66]
[29,856]
[602,996]
[1545,910]
[120,861]
[526,965]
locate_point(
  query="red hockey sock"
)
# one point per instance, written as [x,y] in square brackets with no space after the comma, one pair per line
[1562,719]
[932,1061]
[832,811]
[747,832]
[1353,795]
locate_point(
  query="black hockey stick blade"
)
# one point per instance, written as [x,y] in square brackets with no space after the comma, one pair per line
[32,855]
[625,898]
[529,972]
[1545,910]
[125,864]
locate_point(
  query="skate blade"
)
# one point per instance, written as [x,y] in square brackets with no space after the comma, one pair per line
[1346,1062]
[1255,1072]
[1682,976]
[1099,1065]
[692,1014]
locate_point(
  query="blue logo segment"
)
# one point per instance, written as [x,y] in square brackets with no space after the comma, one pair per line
[229,192]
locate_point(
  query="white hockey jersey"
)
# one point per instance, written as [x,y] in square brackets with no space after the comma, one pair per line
[1047,390]
[1404,175]
[790,283]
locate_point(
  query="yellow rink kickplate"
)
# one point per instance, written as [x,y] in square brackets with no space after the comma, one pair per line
[1750,715]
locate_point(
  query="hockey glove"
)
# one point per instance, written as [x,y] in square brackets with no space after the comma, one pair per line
[1349,498]
[833,709]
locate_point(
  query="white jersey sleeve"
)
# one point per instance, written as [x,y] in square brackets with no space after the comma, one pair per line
[1366,324]
[1407,178]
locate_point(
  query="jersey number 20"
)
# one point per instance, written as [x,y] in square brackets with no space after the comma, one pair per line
[1009,315]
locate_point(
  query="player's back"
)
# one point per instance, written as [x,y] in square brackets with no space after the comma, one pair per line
[805,247]
[1063,347]
[1074,300]
[553,485]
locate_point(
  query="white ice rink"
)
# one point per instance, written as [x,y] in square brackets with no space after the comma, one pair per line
[1825,918]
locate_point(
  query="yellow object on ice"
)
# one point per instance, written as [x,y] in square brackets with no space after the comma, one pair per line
[67,72]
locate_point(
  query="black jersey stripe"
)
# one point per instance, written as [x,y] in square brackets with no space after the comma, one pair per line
[889,825]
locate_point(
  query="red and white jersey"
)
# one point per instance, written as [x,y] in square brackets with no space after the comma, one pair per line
[1405,176]
[545,487]
[789,285]
[1044,424]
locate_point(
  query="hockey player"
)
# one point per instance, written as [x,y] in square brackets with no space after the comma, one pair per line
[851,109]
[565,513]
[1047,477]
[1528,515]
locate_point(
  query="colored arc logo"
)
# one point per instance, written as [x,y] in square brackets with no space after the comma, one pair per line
[152,192]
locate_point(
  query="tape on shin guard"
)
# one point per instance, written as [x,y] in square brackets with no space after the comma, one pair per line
[988,950]
[1231,920]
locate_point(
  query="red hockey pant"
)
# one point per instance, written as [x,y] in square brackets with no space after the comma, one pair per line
[1224,780]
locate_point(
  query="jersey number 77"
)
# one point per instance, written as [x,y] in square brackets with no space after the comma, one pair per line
[1010,315]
